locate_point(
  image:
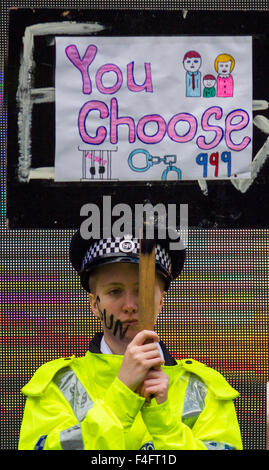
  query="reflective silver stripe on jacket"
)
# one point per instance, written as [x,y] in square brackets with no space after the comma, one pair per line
[194,404]
[194,401]
[80,402]
[74,392]
[71,438]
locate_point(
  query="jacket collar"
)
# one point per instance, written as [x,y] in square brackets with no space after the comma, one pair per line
[94,347]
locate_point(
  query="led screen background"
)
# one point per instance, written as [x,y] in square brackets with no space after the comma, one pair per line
[217,312]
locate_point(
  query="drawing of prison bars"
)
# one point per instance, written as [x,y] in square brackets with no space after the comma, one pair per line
[96,164]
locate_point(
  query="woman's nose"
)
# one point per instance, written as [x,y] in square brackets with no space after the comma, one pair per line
[130,302]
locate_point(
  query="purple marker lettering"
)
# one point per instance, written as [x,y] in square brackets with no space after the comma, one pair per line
[82,64]
[132,86]
[190,119]
[101,131]
[230,127]
[116,121]
[158,136]
[217,111]
[99,76]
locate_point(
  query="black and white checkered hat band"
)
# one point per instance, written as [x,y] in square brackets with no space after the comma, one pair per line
[125,247]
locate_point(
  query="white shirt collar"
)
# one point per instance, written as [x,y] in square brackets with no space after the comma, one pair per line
[105,349]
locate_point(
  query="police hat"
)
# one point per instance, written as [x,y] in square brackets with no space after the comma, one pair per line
[86,255]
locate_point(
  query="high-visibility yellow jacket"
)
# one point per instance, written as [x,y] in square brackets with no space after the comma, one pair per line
[79,403]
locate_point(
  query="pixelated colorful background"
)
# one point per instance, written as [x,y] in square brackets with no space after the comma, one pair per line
[217,313]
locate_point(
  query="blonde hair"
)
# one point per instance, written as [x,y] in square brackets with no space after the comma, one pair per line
[224,58]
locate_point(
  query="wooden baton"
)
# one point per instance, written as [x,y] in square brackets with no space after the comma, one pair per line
[146,289]
[146,285]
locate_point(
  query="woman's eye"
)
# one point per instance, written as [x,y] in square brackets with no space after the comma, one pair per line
[114,291]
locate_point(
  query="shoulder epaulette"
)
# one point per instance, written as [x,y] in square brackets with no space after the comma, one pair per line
[44,375]
[213,379]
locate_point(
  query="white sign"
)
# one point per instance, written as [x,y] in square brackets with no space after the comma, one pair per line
[153,108]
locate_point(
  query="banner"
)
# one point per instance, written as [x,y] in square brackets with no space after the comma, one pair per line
[153,108]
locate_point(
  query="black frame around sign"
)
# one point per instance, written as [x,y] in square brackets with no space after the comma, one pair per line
[47,204]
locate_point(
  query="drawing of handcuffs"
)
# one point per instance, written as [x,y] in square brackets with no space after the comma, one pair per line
[155,160]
